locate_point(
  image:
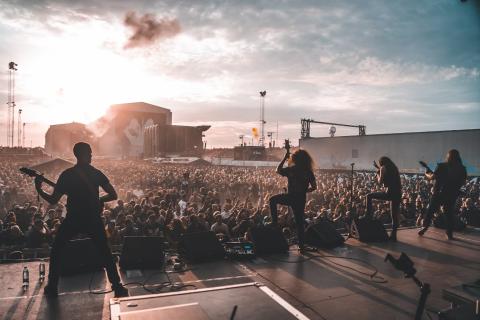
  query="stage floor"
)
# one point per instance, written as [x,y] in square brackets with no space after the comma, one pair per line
[321,288]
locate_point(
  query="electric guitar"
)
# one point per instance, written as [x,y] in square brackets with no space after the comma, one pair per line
[287,145]
[34,174]
[423,164]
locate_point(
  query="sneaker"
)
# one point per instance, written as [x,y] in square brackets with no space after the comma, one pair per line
[422,231]
[50,291]
[120,292]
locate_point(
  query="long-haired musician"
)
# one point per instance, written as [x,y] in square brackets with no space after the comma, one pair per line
[449,177]
[300,181]
[388,176]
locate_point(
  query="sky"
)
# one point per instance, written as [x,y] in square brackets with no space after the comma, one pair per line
[394,66]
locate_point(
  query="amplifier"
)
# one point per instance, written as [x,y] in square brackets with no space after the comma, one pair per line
[239,249]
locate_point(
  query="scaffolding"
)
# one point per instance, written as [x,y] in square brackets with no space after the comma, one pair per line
[261,142]
[305,133]
[12,67]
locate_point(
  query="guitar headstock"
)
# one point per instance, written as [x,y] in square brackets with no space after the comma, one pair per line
[30,172]
[287,145]
[423,164]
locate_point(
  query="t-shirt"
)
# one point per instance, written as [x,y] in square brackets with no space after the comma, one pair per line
[80,184]
[183,206]
[298,179]
[449,178]
[392,181]
[219,228]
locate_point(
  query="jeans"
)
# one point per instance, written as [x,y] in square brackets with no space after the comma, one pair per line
[297,203]
[448,204]
[92,227]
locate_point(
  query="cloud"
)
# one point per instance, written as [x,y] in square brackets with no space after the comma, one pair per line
[147,29]
[390,65]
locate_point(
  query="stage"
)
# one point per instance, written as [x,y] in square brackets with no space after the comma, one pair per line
[318,287]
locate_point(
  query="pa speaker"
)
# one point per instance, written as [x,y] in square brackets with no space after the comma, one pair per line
[268,240]
[369,230]
[79,256]
[201,246]
[323,234]
[142,253]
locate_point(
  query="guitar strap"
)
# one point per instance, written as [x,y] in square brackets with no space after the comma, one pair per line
[89,185]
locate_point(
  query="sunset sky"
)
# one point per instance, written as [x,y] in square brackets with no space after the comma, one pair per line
[394,66]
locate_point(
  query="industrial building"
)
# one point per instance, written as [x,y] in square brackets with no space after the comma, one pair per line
[122,130]
[161,140]
[123,127]
[60,138]
[405,149]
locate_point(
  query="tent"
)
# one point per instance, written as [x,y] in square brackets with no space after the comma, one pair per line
[53,166]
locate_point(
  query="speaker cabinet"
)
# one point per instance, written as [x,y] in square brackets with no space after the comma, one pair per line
[324,235]
[201,246]
[268,240]
[142,253]
[369,230]
[79,256]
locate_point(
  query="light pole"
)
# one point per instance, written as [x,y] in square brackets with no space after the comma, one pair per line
[262,117]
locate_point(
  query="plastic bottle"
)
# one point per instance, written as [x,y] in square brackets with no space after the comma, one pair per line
[26,278]
[41,271]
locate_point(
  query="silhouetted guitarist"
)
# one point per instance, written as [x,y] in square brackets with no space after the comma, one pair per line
[448,178]
[388,176]
[301,180]
[84,206]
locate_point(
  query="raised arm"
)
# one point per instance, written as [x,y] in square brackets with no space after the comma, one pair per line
[280,165]
[381,175]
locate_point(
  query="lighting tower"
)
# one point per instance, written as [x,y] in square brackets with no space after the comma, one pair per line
[241,137]
[23,134]
[19,128]
[262,118]
[270,135]
[12,67]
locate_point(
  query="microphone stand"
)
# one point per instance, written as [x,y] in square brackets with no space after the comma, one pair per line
[424,292]
[404,264]
[350,226]
[351,188]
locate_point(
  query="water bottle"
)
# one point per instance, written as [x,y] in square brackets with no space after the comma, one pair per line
[41,271]
[26,278]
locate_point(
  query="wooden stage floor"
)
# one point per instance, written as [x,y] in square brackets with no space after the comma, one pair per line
[321,288]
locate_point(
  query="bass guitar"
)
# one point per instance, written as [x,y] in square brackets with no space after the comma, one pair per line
[34,174]
[423,164]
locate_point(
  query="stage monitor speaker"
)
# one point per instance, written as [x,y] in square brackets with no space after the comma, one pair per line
[369,230]
[142,253]
[268,240]
[201,246]
[323,234]
[79,256]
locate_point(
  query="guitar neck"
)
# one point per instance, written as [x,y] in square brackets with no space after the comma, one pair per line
[425,166]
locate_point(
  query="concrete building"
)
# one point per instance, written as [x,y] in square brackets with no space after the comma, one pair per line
[173,140]
[123,127]
[405,149]
[60,138]
[122,133]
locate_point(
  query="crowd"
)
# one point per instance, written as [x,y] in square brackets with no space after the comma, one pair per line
[170,200]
